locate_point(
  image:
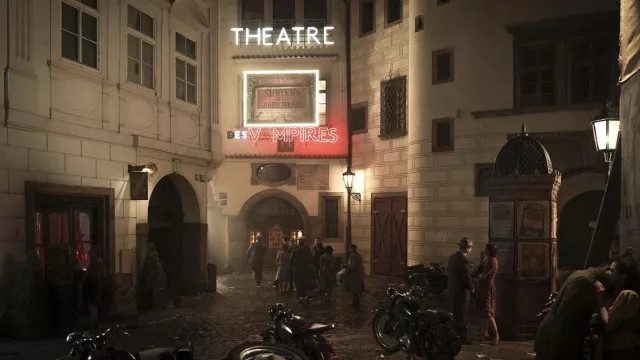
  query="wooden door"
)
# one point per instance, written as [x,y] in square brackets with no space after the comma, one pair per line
[389,235]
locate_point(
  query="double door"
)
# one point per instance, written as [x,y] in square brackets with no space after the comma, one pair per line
[389,235]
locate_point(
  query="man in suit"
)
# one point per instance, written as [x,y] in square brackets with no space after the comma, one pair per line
[301,262]
[255,257]
[460,286]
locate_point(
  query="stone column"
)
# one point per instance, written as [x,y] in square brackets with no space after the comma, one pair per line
[419,129]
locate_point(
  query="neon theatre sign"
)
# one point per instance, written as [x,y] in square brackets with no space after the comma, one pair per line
[287,134]
[297,35]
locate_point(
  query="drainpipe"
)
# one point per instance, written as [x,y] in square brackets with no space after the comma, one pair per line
[6,73]
[347,27]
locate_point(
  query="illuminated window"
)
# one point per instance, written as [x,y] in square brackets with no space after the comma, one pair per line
[322,102]
[186,69]
[140,48]
[80,32]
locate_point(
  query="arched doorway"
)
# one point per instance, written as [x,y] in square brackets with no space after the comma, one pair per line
[276,220]
[173,210]
[574,232]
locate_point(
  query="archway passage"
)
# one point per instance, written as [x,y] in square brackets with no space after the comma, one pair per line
[175,230]
[574,232]
[276,220]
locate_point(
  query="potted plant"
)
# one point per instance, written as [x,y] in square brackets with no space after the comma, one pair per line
[153,281]
[27,316]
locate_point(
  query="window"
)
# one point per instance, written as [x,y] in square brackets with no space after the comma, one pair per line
[359,118]
[393,11]
[315,13]
[442,61]
[285,146]
[332,217]
[322,102]
[592,73]
[284,14]
[442,135]
[80,32]
[186,69]
[538,73]
[393,107]
[252,13]
[367,17]
[140,48]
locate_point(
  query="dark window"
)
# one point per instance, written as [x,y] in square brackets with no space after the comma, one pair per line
[332,217]
[252,13]
[538,72]
[284,13]
[442,2]
[442,66]
[285,146]
[393,11]
[483,173]
[393,107]
[359,115]
[315,13]
[90,3]
[79,36]
[442,135]
[592,72]
[367,17]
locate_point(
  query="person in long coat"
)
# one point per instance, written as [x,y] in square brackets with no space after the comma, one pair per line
[255,256]
[355,275]
[460,286]
[327,272]
[283,275]
[301,260]
[487,293]
[317,250]
[561,333]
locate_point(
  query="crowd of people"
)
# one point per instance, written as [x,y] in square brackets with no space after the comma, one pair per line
[303,269]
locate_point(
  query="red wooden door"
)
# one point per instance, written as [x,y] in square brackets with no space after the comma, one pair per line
[389,235]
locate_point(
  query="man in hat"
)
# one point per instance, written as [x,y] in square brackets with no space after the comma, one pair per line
[460,286]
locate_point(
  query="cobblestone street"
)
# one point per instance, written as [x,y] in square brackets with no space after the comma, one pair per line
[214,323]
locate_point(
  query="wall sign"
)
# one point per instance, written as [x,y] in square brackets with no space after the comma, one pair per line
[296,35]
[139,185]
[313,177]
[288,134]
[283,98]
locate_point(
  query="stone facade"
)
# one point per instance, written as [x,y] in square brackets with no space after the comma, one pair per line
[478,100]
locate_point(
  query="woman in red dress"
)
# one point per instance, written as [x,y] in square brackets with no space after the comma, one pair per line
[487,293]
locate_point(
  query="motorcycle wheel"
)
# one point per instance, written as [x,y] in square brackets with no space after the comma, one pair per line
[261,351]
[385,339]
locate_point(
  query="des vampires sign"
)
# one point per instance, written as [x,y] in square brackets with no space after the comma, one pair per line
[289,134]
[280,98]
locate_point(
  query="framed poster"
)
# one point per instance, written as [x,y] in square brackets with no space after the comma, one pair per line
[501,220]
[533,220]
[533,261]
[504,253]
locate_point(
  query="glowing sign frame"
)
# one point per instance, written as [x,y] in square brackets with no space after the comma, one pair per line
[323,134]
[245,110]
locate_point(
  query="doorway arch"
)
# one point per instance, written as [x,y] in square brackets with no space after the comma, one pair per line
[574,232]
[173,206]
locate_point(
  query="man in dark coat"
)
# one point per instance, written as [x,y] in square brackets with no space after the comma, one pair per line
[316,251]
[301,260]
[460,286]
[255,257]
[355,275]
[561,333]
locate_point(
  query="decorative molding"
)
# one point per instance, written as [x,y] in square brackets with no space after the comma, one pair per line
[256,180]
[485,114]
[21,18]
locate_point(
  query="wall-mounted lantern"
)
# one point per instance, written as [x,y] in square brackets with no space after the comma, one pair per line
[606,127]
[149,168]
[348,178]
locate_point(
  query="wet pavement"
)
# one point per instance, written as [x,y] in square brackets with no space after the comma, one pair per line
[237,312]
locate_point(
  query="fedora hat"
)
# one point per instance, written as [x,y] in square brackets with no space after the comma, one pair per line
[465,243]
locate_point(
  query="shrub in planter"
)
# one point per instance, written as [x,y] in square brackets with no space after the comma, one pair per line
[27,317]
[153,281]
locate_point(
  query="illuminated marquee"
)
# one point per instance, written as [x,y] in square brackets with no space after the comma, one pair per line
[287,134]
[299,35]
[283,98]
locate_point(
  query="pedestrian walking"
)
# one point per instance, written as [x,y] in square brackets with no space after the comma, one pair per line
[487,294]
[461,287]
[283,275]
[255,256]
[327,272]
[354,275]
[317,251]
[300,262]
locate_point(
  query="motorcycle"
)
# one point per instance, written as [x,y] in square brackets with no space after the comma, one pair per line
[293,331]
[434,274]
[427,334]
[261,351]
[86,347]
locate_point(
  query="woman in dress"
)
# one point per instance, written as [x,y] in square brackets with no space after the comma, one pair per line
[327,272]
[487,294]
[283,275]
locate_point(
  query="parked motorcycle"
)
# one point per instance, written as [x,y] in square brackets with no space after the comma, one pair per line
[261,351]
[435,275]
[295,332]
[97,347]
[400,323]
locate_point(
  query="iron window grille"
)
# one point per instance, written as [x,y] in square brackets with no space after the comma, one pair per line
[393,107]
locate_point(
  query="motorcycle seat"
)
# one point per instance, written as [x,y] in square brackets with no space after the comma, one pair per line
[318,328]
[436,315]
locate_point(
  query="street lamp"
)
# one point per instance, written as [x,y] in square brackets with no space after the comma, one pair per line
[606,127]
[348,178]
[149,168]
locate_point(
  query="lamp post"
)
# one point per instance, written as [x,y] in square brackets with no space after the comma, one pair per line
[606,127]
[348,175]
